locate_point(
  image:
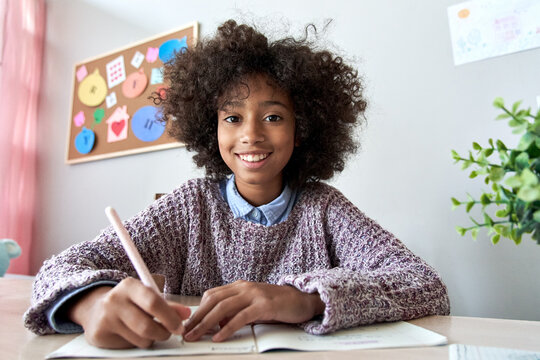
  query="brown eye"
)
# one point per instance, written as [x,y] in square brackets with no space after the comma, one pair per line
[231,119]
[272,118]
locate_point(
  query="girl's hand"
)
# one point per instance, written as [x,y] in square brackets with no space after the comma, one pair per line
[127,315]
[242,302]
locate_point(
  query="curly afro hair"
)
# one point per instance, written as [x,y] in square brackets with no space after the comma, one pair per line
[326,94]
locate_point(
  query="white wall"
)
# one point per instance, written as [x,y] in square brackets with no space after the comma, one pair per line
[421,106]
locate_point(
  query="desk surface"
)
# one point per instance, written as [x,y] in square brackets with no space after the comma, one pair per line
[18,343]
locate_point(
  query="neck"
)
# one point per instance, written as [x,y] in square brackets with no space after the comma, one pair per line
[259,194]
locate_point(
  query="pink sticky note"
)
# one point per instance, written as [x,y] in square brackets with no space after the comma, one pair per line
[79,119]
[152,54]
[81,73]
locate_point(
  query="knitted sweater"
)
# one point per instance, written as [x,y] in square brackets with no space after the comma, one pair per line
[362,272]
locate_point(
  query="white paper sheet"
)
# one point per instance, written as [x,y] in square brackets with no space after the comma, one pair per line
[470,352]
[386,335]
[271,336]
[482,29]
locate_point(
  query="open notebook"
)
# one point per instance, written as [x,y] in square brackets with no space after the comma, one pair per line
[263,337]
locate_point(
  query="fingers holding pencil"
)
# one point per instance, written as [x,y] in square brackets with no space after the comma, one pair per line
[130,314]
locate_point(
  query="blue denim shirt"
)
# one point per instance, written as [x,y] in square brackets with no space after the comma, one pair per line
[269,214]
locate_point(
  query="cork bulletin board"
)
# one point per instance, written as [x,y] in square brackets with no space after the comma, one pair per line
[111,114]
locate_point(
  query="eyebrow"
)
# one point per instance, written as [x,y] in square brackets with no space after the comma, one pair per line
[241,104]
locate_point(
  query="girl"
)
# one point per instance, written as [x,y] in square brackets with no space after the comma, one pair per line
[261,238]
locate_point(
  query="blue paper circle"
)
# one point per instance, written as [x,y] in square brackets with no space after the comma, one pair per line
[84,141]
[145,124]
[169,47]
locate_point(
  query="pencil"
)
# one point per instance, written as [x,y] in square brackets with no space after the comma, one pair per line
[131,249]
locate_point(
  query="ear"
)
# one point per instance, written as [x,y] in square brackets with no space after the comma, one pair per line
[13,249]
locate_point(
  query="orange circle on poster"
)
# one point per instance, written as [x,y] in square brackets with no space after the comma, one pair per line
[463,13]
[135,84]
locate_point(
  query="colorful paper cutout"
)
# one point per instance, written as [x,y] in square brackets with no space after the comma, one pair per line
[111,100]
[93,89]
[117,122]
[116,72]
[137,59]
[145,124]
[135,84]
[157,76]
[84,141]
[168,49]
[79,119]
[81,73]
[98,115]
[152,54]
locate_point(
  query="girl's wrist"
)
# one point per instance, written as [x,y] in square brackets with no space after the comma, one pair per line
[79,307]
[316,304]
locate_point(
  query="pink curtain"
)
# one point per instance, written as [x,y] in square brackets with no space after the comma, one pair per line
[21,57]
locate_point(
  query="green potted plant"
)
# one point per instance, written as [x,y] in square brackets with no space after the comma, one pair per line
[514,179]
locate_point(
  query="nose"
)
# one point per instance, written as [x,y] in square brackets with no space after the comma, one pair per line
[252,131]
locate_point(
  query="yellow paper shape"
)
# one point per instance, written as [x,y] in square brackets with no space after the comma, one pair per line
[93,89]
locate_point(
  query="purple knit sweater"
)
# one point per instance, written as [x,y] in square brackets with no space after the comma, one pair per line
[362,272]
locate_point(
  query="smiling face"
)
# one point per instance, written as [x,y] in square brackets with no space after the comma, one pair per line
[256,137]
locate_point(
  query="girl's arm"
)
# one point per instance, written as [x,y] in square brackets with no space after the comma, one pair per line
[157,233]
[375,278]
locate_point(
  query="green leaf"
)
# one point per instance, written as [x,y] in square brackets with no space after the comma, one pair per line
[456,202]
[501,213]
[490,141]
[476,146]
[485,200]
[520,129]
[496,174]
[529,193]
[516,106]
[473,174]
[536,216]
[514,181]
[514,123]
[498,103]
[455,155]
[526,141]
[469,206]
[495,239]
[499,228]
[474,233]
[500,145]
[488,220]
[461,231]
[528,177]
[487,152]
[466,164]
[503,116]
[522,160]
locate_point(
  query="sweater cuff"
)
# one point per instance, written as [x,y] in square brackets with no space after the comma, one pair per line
[56,316]
[322,282]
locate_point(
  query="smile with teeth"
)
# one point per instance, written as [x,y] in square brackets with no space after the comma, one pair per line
[253,157]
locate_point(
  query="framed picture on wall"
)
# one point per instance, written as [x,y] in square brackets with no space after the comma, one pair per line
[111,113]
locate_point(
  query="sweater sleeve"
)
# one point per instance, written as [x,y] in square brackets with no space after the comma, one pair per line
[157,232]
[375,278]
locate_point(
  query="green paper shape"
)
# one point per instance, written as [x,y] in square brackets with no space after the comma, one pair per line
[99,114]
